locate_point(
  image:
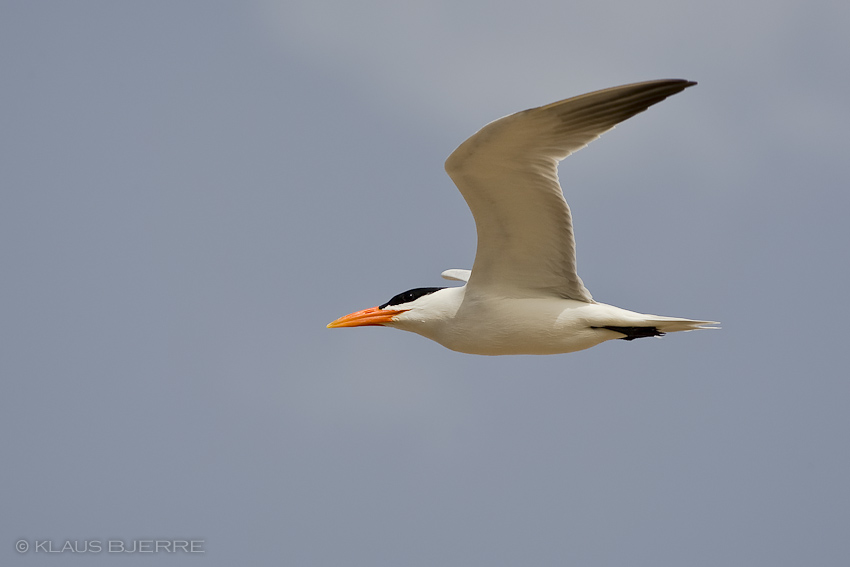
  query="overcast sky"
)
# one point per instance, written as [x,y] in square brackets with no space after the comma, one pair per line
[191,191]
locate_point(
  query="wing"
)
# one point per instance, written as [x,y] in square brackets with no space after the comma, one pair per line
[456,274]
[508,174]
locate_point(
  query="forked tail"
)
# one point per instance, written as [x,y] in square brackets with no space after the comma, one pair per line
[672,324]
[657,326]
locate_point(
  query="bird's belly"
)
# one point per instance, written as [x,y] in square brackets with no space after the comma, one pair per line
[530,326]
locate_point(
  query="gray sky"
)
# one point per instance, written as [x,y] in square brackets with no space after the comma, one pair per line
[191,191]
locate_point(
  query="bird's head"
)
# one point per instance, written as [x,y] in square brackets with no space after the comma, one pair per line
[411,306]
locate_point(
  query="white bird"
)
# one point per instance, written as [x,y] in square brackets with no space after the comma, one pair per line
[523,295]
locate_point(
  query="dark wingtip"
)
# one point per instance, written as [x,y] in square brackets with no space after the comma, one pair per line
[633,333]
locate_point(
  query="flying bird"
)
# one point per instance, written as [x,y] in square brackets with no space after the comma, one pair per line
[523,294]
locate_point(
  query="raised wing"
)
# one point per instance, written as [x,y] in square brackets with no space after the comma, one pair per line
[508,174]
[456,274]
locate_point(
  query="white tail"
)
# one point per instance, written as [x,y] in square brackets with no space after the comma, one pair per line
[672,324]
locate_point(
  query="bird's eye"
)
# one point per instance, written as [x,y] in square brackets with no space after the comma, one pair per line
[410,295]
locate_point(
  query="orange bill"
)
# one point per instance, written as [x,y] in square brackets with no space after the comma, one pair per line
[371,316]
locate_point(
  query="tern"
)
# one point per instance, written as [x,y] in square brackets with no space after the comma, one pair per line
[523,294]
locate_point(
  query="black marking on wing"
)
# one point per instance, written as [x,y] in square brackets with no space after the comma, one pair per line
[410,295]
[633,333]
